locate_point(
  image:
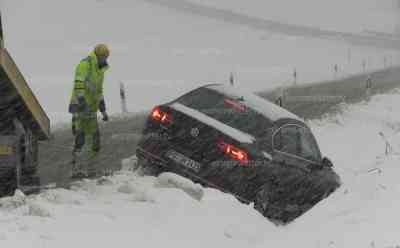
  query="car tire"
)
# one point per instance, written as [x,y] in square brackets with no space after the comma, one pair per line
[266,202]
[9,183]
[262,200]
[283,202]
[30,163]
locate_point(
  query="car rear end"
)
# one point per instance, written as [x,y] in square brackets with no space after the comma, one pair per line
[177,141]
[226,140]
[206,136]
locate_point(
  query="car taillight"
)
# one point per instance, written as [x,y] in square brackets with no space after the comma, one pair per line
[234,152]
[161,116]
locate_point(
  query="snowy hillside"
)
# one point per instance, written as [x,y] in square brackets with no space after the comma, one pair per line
[169,211]
[160,53]
[340,15]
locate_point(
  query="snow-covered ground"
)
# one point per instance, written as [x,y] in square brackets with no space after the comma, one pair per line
[169,211]
[160,53]
[340,15]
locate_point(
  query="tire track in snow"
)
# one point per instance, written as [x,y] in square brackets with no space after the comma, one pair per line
[275,26]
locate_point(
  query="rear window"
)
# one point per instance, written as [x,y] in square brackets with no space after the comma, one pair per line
[226,110]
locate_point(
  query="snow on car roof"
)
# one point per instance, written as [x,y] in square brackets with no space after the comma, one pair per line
[230,131]
[257,103]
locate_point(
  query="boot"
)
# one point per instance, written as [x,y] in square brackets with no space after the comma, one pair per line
[77,171]
[92,171]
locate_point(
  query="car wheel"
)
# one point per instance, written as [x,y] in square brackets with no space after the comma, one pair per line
[262,200]
[8,184]
[268,203]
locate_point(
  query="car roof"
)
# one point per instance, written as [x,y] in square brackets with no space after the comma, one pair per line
[264,107]
[224,128]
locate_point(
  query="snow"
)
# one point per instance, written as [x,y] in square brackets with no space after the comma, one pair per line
[138,192]
[268,109]
[128,209]
[230,131]
[267,155]
[170,180]
[372,15]
[129,164]
[108,217]
[160,54]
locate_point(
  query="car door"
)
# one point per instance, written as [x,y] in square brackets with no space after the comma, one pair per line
[295,147]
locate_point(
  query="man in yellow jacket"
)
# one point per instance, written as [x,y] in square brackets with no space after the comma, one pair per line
[87,99]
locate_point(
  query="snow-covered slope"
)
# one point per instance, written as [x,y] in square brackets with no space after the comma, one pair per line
[340,15]
[170,211]
[160,53]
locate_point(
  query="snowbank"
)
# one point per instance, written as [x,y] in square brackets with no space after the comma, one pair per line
[372,15]
[142,211]
[127,209]
[170,180]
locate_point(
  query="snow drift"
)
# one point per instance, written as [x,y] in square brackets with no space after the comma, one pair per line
[127,209]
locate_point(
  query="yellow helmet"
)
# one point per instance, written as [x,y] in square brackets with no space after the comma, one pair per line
[102,50]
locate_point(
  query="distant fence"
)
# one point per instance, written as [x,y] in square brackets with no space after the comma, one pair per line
[314,99]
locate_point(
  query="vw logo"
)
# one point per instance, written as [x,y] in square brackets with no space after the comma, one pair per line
[194,132]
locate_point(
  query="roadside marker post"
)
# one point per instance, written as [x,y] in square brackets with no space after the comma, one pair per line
[231,79]
[364,65]
[368,86]
[123,98]
[336,70]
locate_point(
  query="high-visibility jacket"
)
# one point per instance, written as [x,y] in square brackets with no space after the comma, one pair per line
[89,79]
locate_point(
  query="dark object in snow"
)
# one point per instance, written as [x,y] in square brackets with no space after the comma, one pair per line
[250,148]
[23,123]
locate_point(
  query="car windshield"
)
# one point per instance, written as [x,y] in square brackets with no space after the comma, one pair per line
[226,110]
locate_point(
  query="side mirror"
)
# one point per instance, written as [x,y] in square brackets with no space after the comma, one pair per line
[326,162]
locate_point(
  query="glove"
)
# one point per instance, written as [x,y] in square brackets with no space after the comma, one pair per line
[105,116]
[102,106]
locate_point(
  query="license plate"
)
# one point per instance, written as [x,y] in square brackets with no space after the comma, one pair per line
[183,160]
[6,150]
